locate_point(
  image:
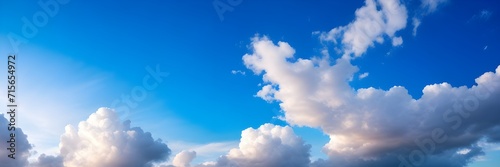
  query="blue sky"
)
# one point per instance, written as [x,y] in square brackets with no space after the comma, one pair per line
[92,53]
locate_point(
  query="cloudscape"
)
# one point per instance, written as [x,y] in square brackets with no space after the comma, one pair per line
[237,83]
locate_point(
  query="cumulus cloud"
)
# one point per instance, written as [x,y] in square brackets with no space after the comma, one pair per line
[266,92]
[184,158]
[375,126]
[269,145]
[373,22]
[426,7]
[22,146]
[104,141]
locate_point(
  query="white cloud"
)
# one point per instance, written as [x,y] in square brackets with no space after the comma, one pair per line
[184,158]
[396,41]
[237,72]
[371,125]
[266,93]
[104,141]
[364,75]
[269,145]
[371,24]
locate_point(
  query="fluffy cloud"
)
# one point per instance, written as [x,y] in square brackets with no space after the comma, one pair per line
[374,126]
[184,158]
[269,145]
[396,41]
[22,146]
[373,21]
[104,141]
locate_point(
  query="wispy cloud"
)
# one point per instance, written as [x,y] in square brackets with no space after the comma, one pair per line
[483,15]
[237,72]
[426,7]
[364,75]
